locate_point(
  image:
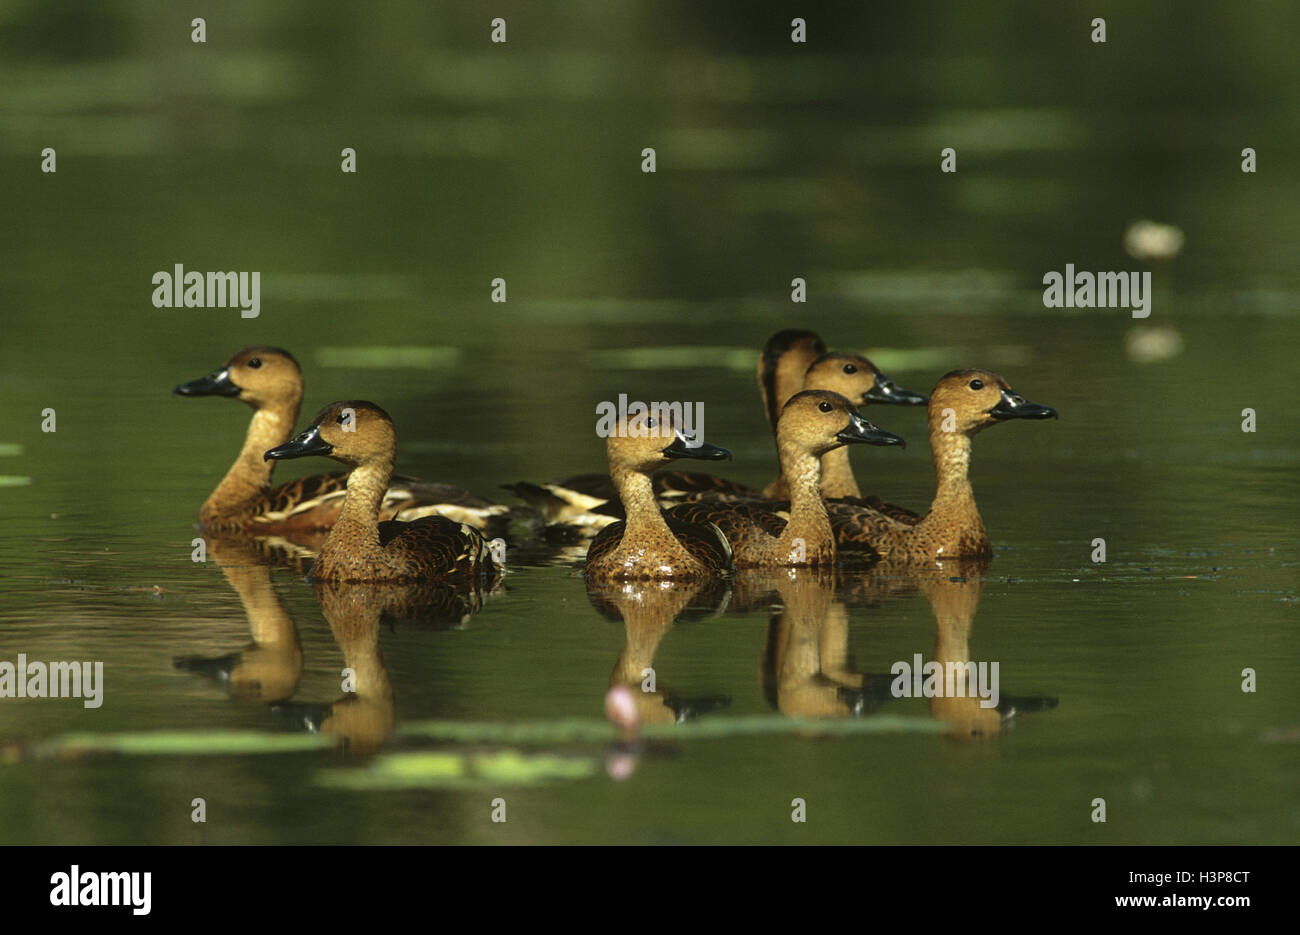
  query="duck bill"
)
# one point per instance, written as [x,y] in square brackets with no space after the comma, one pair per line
[217,383]
[308,443]
[700,451]
[887,391]
[1014,406]
[861,431]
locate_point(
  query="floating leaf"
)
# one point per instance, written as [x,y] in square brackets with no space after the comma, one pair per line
[444,770]
[181,743]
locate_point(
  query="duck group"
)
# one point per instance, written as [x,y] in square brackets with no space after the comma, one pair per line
[644,522]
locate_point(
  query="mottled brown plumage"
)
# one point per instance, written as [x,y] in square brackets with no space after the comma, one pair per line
[359,547]
[812,423]
[270,380]
[964,403]
[648,545]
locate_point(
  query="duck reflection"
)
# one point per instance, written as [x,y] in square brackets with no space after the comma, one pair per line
[648,609]
[364,716]
[269,668]
[806,668]
[968,699]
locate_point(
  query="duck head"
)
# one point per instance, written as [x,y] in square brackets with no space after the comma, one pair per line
[353,432]
[858,380]
[818,421]
[969,401]
[782,365]
[645,442]
[259,376]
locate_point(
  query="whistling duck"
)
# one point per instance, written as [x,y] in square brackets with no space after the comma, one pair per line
[649,545]
[860,382]
[812,423]
[791,361]
[270,380]
[359,547]
[964,403]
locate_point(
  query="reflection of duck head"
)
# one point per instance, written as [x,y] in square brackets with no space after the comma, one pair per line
[972,704]
[269,668]
[806,671]
[648,609]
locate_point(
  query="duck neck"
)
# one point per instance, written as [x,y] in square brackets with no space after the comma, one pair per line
[358,522]
[250,475]
[809,521]
[953,496]
[644,517]
[837,475]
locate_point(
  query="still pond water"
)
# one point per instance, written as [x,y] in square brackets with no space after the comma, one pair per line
[1126,675]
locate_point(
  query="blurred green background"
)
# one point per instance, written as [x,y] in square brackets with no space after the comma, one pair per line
[775,160]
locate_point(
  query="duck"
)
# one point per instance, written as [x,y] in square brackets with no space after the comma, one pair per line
[862,383]
[963,404]
[812,423]
[269,380]
[647,545]
[791,360]
[359,547]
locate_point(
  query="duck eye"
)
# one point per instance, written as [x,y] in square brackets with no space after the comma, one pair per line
[255,362]
[850,368]
[651,424]
[977,384]
[825,406]
[340,419]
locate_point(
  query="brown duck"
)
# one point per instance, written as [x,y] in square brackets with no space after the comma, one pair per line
[791,360]
[649,545]
[359,547]
[964,403]
[270,380]
[812,423]
[860,382]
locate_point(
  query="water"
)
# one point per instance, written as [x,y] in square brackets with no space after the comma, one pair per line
[773,164]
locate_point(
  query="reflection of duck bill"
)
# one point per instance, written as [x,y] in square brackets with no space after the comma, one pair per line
[217,668]
[1009,707]
[874,693]
[303,715]
[690,709]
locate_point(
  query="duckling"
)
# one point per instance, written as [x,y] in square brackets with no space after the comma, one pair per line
[964,403]
[860,382]
[649,545]
[812,423]
[270,380]
[359,547]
